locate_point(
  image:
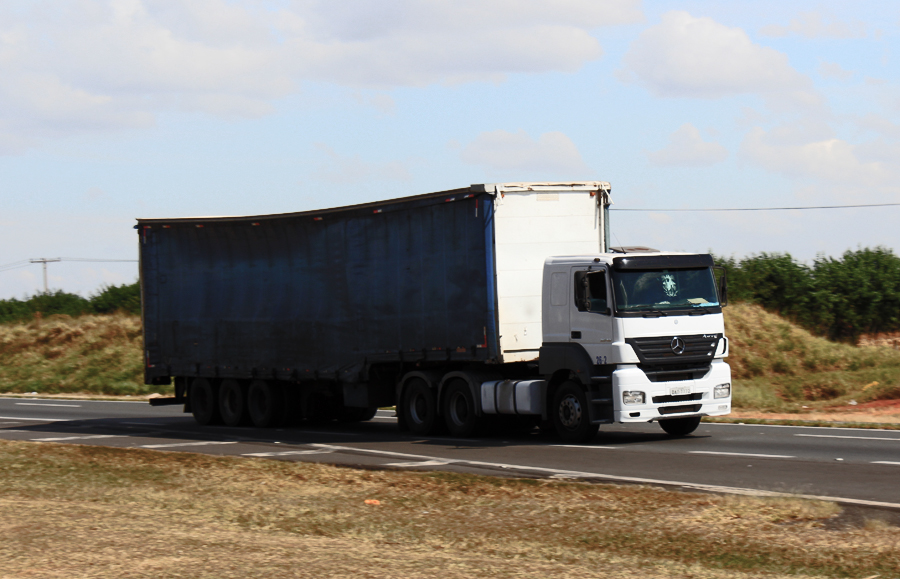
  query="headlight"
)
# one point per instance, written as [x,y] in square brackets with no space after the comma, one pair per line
[632,397]
[722,391]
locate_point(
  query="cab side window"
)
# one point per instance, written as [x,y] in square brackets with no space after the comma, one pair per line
[590,291]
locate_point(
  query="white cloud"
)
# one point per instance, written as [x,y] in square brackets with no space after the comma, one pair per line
[684,56]
[95,65]
[813,153]
[502,152]
[812,25]
[687,148]
[835,71]
[879,124]
[352,170]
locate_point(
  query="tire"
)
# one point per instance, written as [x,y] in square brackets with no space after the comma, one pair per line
[419,407]
[204,402]
[233,403]
[571,415]
[354,414]
[265,403]
[458,409]
[680,426]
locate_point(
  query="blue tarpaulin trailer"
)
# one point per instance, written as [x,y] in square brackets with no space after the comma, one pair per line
[343,304]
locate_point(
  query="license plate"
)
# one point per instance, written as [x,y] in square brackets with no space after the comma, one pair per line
[679,390]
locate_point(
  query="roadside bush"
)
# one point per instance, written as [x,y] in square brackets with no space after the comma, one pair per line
[837,298]
[110,299]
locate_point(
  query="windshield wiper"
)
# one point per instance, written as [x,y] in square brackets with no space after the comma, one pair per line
[699,312]
[654,313]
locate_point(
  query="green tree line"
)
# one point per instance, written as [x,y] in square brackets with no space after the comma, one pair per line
[840,298]
[109,299]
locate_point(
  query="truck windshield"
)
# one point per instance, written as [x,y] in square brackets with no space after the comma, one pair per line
[675,289]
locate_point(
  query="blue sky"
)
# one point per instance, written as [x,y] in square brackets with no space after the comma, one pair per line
[117,109]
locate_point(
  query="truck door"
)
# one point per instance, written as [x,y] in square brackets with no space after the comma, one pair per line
[590,313]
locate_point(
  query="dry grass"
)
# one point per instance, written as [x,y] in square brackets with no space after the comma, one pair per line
[61,354]
[79,511]
[778,366]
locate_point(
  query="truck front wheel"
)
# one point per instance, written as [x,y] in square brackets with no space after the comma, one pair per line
[419,407]
[459,409]
[571,415]
[204,402]
[680,426]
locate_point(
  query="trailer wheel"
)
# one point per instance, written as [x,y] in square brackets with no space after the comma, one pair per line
[459,410]
[233,403]
[204,402]
[571,415]
[680,426]
[265,403]
[419,407]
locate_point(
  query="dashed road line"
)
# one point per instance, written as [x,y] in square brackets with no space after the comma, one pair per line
[45,404]
[886,462]
[896,439]
[288,453]
[584,446]
[741,454]
[92,436]
[175,444]
[23,419]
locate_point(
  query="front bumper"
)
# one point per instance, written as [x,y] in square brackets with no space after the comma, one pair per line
[699,401]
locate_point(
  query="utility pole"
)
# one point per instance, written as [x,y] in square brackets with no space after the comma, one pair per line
[45,261]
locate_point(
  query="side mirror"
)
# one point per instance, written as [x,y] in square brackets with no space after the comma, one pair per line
[722,285]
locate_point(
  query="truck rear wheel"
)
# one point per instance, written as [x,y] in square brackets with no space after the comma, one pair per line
[459,409]
[571,415]
[233,403]
[680,426]
[204,402]
[265,403]
[419,407]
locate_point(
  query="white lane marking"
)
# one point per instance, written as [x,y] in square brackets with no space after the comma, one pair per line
[853,437]
[390,418]
[885,462]
[173,445]
[22,418]
[288,453]
[611,477]
[141,423]
[741,454]
[12,422]
[583,446]
[60,438]
[798,426]
[44,404]
[420,463]
[82,400]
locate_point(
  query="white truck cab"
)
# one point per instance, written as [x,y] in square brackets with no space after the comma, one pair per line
[644,330]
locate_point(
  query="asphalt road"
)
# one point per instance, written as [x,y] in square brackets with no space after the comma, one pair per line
[853,466]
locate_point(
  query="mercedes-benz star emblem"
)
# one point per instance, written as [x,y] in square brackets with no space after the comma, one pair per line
[677,346]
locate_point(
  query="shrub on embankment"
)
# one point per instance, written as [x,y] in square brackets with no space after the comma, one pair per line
[110,299]
[859,293]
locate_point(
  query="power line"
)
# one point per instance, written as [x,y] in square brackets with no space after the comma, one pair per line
[764,208]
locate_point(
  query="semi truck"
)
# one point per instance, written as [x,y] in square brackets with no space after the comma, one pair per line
[497,304]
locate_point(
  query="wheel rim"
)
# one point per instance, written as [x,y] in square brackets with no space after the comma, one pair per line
[231,401]
[570,412]
[459,409]
[418,408]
